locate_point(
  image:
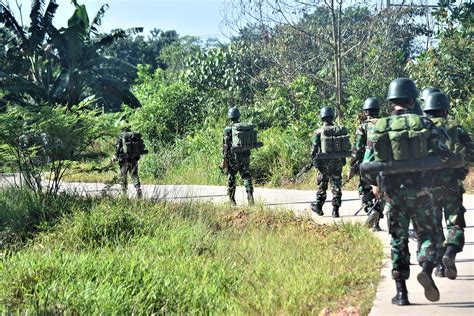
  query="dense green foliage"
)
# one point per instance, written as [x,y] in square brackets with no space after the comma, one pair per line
[280,75]
[121,256]
[46,65]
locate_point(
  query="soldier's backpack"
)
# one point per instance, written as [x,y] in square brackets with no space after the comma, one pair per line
[244,137]
[400,145]
[133,145]
[335,143]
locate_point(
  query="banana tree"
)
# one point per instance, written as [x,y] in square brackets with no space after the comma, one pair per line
[64,66]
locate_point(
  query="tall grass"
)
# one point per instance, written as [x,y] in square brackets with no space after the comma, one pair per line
[121,257]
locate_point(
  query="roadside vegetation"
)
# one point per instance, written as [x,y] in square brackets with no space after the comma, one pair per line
[176,89]
[101,255]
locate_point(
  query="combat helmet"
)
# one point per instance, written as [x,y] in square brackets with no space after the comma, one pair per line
[326,112]
[402,88]
[436,101]
[426,91]
[233,113]
[371,104]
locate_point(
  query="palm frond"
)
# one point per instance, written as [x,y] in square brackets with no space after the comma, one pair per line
[7,18]
[36,29]
[49,15]
[116,34]
[112,89]
[97,21]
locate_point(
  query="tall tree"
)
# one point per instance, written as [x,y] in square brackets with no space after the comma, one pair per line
[63,66]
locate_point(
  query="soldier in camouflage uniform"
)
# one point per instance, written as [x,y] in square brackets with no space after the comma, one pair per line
[448,188]
[235,162]
[371,110]
[127,164]
[328,169]
[408,198]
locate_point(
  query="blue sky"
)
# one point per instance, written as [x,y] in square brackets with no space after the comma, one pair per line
[188,17]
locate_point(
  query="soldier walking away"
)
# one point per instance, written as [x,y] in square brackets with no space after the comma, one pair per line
[448,187]
[239,139]
[371,110]
[128,149]
[331,146]
[401,150]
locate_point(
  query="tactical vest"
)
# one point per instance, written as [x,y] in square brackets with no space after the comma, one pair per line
[133,145]
[335,143]
[244,137]
[400,145]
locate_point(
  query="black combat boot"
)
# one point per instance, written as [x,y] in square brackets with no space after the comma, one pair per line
[440,271]
[139,193]
[401,298]
[317,208]
[335,211]
[250,197]
[425,279]
[376,227]
[231,194]
[449,259]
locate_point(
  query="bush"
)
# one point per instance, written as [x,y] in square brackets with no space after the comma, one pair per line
[168,111]
[124,257]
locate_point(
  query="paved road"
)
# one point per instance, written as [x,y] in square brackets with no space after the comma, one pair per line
[457,297]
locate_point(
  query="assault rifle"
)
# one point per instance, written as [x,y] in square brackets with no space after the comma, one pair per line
[305,169]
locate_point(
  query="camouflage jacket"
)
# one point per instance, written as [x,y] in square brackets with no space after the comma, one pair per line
[358,150]
[121,156]
[457,139]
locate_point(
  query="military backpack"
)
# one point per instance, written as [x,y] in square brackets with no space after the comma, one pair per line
[133,145]
[244,137]
[400,145]
[335,143]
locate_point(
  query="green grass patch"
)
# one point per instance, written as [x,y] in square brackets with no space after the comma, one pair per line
[121,256]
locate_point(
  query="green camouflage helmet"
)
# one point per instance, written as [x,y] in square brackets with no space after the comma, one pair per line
[436,101]
[326,112]
[233,113]
[402,88]
[371,104]
[426,91]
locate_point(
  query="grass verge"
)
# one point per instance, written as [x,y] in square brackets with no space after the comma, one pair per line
[122,256]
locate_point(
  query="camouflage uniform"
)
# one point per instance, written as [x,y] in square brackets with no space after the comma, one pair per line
[127,164]
[237,162]
[358,151]
[447,192]
[328,170]
[408,198]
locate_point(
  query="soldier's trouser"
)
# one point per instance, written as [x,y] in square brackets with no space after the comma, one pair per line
[244,170]
[448,200]
[402,206]
[132,167]
[366,195]
[335,175]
